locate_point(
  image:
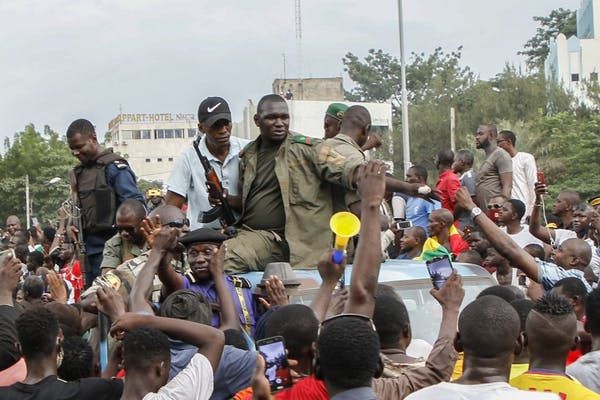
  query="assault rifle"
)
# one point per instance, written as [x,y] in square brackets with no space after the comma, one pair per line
[222,211]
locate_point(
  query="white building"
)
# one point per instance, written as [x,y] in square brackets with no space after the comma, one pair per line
[571,62]
[152,142]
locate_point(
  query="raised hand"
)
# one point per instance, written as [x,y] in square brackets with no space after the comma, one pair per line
[110,302]
[328,270]
[58,291]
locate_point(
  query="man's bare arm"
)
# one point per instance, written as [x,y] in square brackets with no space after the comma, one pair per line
[535,227]
[371,187]
[500,240]
[506,179]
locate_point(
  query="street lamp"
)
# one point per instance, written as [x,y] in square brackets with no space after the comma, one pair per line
[28,205]
[405,137]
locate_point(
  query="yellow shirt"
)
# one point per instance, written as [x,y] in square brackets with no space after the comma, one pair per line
[548,381]
[518,369]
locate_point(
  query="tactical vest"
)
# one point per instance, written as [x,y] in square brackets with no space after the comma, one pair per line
[97,199]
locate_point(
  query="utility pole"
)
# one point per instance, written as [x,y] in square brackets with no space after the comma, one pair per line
[27,204]
[452,130]
[284,72]
[405,133]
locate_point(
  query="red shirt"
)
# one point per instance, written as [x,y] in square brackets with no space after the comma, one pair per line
[447,186]
[73,275]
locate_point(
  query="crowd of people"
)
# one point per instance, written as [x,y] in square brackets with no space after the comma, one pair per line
[134,296]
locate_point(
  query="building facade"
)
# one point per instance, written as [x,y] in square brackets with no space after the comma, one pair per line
[575,61]
[151,142]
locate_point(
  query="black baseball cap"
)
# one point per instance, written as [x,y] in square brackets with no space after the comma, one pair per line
[213,109]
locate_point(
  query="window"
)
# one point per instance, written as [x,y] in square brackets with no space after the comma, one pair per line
[192,132]
[170,158]
[594,77]
[159,159]
[178,133]
[164,133]
[147,160]
[126,135]
[574,77]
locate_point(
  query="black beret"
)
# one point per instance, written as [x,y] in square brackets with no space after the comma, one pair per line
[203,235]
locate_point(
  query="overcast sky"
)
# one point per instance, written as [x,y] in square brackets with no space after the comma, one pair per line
[64,59]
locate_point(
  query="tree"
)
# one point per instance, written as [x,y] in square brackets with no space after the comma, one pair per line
[42,156]
[536,49]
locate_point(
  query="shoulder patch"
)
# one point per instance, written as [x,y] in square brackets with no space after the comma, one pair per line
[121,164]
[240,282]
[302,139]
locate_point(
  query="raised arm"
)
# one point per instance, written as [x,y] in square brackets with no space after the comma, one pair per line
[208,340]
[535,228]
[371,187]
[500,240]
[229,317]
[330,275]
[165,240]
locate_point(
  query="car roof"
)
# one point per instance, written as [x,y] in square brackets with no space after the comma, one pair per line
[390,271]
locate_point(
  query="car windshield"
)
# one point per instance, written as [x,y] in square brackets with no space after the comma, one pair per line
[424,311]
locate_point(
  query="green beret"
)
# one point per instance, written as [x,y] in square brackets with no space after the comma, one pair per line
[336,110]
[203,235]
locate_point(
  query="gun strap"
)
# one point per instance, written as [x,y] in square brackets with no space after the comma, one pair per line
[240,293]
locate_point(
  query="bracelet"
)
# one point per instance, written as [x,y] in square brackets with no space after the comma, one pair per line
[537,205]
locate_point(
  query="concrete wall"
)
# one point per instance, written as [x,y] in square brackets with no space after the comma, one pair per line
[311,88]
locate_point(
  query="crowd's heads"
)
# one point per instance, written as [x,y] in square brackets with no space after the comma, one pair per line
[33,288]
[504,292]
[488,328]
[82,140]
[20,237]
[12,224]
[551,326]
[333,118]
[440,221]
[573,254]
[512,210]
[566,202]
[485,135]
[357,122]
[391,321]
[147,354]
[444,159]
[592,313]
[202,244]
[273,118]
[171,216]
[463,161]
[413,238]
[78,360]
[187,305]
[523,308]
[581,217]
[535,250]
[478,243]
[130,215]
[470,256]
[574,290]
[348,352]
[416,174]
[298,326]
[507,140]
[35,260]
[39,334]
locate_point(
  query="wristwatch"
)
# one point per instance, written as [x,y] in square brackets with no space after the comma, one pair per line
[476,212]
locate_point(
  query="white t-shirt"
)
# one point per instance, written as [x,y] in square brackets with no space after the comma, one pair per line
[560,235]
[524,177]
[483,391]
[194,382]
[523,238]
[188,180]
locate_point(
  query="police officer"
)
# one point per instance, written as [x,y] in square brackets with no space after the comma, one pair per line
[100,183]
[209,278]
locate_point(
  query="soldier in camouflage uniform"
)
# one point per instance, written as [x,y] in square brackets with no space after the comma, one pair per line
[286,193]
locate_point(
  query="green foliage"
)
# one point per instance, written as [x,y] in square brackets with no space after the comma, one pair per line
[42,156]
[536,49]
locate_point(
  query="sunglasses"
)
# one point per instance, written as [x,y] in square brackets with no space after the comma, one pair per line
[178,223]
[496,206]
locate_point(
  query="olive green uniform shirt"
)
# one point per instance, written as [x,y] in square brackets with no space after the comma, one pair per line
[306,170]
[348,148]
[117,251]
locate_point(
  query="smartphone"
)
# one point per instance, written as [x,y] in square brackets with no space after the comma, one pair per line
[6,253]
[277,369]
[440,269]
[541,178]
[401,225]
